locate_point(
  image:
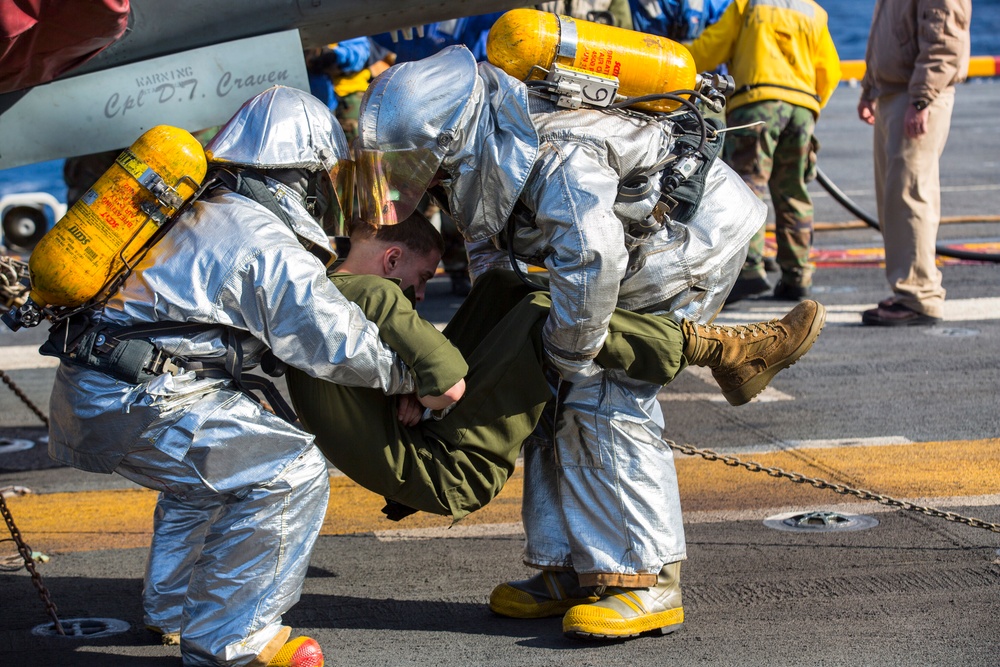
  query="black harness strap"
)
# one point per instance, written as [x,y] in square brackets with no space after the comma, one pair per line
[125,354]
[750,86]
[232,367]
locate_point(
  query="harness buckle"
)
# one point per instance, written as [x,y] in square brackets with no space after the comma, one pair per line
[663,208]
[163,363]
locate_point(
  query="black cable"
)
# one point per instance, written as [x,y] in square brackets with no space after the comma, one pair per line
[844,200]
[541,83]
[940,248]
[701,96]
[703,126]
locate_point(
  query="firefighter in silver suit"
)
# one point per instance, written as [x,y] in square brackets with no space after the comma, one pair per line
[601,507]
[243,492]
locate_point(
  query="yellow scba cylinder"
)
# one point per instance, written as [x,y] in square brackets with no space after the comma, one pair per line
[115,219]
[643,64]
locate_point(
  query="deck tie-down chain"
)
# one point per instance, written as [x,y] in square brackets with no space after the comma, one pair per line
[24,397]
[29,565]
[842,489]
[13,287]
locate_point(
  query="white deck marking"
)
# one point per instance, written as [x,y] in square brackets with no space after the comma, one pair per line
[955,310]
[24,357]
[759,514]
[694,517]
[769,395]
[784,445]
[459,531]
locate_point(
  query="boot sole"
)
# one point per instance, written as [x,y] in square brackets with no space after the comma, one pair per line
[662,623]
[758,383]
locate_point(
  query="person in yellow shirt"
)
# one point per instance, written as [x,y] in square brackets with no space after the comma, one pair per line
[785,66]
[339,74]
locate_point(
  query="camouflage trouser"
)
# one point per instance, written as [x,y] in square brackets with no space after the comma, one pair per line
[779,155]
[347,114]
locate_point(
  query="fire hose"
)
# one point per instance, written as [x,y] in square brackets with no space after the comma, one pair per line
[850,205]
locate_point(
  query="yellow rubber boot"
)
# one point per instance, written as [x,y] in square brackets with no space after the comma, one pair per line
[284,652]
[545,594]
[746,357]
[166,638]
[298,652]
[629,612]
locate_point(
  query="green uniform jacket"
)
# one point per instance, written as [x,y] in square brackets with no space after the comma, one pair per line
[455,465]
[450,466]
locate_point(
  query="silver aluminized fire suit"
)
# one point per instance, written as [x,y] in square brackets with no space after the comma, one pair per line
[243,492]
[604,500]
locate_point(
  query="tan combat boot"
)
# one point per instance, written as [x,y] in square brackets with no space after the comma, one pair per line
[546,594]
[629,612]
[744,358]
[167,638]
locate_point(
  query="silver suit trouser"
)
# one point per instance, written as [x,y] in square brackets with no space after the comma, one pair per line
[231,545]
[603,498]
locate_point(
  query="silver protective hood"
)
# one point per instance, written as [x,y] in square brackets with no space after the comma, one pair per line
[496,158]
[286,128]
[281,128]
[444,112]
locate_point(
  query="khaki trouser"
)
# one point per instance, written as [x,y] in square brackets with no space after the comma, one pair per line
[908,192]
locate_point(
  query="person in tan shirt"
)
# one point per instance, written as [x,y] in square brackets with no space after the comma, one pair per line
[917,51]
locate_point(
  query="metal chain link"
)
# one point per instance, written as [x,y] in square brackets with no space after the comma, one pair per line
[13,281]
[24,397]
[842,489]
[10,290]
[29,565]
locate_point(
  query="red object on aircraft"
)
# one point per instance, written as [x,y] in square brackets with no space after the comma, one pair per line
[43,39]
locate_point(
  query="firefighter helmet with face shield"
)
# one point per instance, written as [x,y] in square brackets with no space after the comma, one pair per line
[412,117]
[284,128]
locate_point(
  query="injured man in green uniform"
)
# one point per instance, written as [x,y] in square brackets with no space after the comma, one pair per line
[482,383]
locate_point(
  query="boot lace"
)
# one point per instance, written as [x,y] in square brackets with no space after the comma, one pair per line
[744,331]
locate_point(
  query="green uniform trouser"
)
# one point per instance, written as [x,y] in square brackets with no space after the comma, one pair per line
[778,156]
[455,465]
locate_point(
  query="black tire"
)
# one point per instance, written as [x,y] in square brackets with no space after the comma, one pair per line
[24,226]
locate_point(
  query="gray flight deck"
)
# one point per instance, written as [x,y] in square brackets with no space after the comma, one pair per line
[912,590]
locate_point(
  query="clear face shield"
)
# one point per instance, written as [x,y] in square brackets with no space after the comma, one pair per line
[391,184]
[341,210]
[342,178]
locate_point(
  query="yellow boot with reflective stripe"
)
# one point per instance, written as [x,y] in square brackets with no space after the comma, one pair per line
[546,594]
[298,652]
[166,638]
[284,652]
[629,612]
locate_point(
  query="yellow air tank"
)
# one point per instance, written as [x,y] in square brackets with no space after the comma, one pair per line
[642,63]
[148,183]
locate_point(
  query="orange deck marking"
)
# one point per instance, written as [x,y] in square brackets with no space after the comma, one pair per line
[121,519]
